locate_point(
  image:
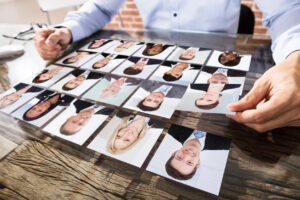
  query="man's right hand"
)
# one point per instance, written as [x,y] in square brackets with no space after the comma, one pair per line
[50,42]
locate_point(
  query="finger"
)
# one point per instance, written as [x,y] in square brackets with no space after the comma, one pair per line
[256,94]
[49,55]
[264,112]
[54,39]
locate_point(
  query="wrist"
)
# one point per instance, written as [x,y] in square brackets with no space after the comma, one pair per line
[294,57]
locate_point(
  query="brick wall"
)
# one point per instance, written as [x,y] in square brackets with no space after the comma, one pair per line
[131,17]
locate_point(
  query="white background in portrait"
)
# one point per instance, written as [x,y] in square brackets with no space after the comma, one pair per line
[25,97]
[79,62]
[243,65]
[188,76]
[199,58]
[204,76]
[126,52]
[58,75]
[148,69]
[87,83]
[107,68]
[118,99]
[100,49]
[208,176]
[187,103]
[40,121]
[160,56]
[81,136]
[135,155]
[166,109]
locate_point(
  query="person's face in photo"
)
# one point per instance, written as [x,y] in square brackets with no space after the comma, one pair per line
[75,123]
[156,49]
[113,89]
[74,83]
[42,107]
[175,73]
[187,158]
[229,59]
[124,46]
[102,63]
[153,100]
[135,69]
[189,54]
[80,55]
[128,135]
[218,78]
[47,75]
[211,98]
[96,44]
[9,99]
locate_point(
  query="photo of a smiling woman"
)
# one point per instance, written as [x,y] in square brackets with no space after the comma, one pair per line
[46,75]
[127,134]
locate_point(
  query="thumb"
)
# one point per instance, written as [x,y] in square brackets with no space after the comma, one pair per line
[256,94]
[53,40]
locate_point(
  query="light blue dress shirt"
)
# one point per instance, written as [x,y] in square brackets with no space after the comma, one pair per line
[281,16]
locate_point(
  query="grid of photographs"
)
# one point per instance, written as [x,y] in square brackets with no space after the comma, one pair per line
[148,80]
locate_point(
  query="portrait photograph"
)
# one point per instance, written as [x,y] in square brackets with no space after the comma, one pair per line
[98,45]
[137,67]
[42,108]
[192,157]
[230,60]
[77,58]
[104,62]
[155,51]
[189,55]
[156,99]
[112,90]
[79,121]
[209,98]
[77,82]
[128,138]
[176,72]
[222,76]
[123,47]
[50,75]
[18,95]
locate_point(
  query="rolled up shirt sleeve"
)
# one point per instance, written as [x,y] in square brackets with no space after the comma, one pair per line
[91,17]
[282,17]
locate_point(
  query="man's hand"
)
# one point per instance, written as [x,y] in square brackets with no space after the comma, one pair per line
[274,101]
[50,42]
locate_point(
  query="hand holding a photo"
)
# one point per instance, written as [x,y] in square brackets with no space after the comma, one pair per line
[274,101]
[50,42]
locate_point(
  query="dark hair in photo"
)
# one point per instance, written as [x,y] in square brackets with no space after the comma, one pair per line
[131,71]
[208,107]
[105,42]
[169,77]
[230,63]
[44,113]
[175,173]
[151,45]
[37,78]
[147,108]
[66,61]
[64,87]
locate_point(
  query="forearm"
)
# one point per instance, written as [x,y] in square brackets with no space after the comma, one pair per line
[91,17]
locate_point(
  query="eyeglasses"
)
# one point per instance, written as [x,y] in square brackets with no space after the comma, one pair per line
[27,34]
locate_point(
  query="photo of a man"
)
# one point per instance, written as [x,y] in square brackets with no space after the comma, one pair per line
[98,45]
[156,99]
[176,72]
[192,55]
[77,58]
[79,121]
[112,90]
[229,60]
[16,96]
[77,82]
[123,47]
[192,157]
[128,137]
[43,107]
[137,67]
[209,98]
[155,51]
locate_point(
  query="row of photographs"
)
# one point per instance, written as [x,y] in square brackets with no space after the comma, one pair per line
[128,137]
[99,53]
[211,92]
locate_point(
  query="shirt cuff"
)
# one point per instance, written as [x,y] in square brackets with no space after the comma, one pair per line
[75,29]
